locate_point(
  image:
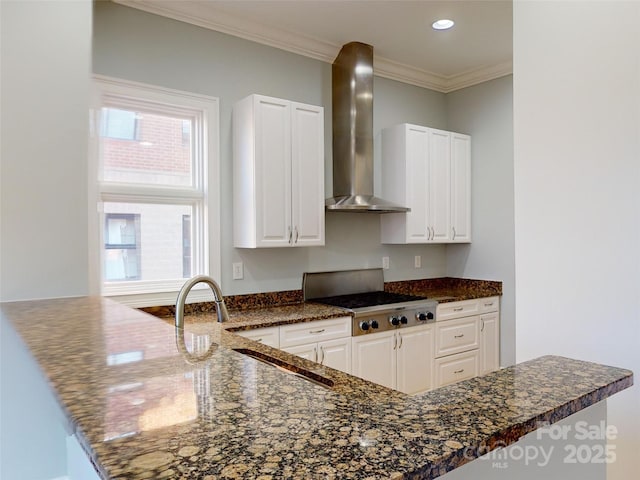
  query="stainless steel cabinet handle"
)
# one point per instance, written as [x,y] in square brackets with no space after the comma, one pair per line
[317,331]
[395,341]
[315,354]
[433,232]
[459,371]
[290,234]
[259,340]
[400,346]
[458,309]
[488,304]
[454,233]
[459,336]
[482,325]
[322,358]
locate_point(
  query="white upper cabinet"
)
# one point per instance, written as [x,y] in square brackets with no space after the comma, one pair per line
[460,188]
[278,173]
[427,170]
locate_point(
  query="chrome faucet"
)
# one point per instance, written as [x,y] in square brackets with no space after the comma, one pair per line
[221,309]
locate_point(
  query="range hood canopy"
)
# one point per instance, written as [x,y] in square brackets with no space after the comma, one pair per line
[352,109]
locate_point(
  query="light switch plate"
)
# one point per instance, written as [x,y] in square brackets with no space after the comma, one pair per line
[238,271]
[385,263]
[417,261]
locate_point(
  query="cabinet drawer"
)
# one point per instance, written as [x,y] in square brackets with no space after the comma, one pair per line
[310,332]
[490,304]
[455,368]
[455,336]
[269,335]
[446,311]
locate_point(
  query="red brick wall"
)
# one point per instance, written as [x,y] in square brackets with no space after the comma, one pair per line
[167,152]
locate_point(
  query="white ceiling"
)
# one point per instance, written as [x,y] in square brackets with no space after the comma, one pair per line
[406,48]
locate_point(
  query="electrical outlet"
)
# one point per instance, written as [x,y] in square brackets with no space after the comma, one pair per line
[417,261]
[385,263]
[238,271]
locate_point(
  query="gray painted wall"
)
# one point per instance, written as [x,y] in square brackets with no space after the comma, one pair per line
[138,46]
[45,99]
[43,219]
[485,112]
[577,203]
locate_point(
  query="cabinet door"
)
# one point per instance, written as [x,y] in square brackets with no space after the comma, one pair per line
[336,354]
[460,188]
[489,342]
[309,352]
[268,336]
[439,185]
[273,171]
[415,359]
[417,184]
[307,170]
[373,357]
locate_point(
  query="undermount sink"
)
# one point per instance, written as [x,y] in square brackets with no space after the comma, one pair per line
[286,367]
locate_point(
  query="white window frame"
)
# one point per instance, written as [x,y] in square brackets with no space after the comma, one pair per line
[203,194]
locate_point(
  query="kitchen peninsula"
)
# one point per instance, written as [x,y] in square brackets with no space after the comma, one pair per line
[141,409]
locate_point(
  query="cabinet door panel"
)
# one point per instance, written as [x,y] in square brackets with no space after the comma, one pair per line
[268,336]
[417,184]
[310,352]
[460,188]
[307,174]
[439,184]
[489,342]
[336,354]
[273,171]
[415,359]
[374,358]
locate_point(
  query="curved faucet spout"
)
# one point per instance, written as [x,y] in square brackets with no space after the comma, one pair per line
[221,309]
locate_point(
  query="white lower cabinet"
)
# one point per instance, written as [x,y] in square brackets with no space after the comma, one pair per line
[332,353]
[399,359]
[415,360]
[268,335]
[489,342]
[467,339]
[373,358]
[327,342]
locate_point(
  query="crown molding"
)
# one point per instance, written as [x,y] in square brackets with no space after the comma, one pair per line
[230,24]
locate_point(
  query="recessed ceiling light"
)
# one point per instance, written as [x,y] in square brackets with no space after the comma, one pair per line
[443,24]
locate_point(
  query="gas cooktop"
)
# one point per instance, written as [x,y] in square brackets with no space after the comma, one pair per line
[362,292]
[367,299]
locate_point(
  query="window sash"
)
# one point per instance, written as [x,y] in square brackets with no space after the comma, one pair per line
[205,242]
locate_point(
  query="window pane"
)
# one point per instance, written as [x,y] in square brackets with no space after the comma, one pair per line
[146,241]
[141,147]
[117,123]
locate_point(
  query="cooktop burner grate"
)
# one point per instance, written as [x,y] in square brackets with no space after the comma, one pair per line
[367,299]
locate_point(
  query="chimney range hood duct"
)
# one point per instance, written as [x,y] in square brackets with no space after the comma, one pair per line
[352,103]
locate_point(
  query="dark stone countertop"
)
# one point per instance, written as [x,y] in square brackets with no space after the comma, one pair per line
[142,409]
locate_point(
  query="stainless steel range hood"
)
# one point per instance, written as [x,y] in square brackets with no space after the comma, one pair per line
[352,103]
